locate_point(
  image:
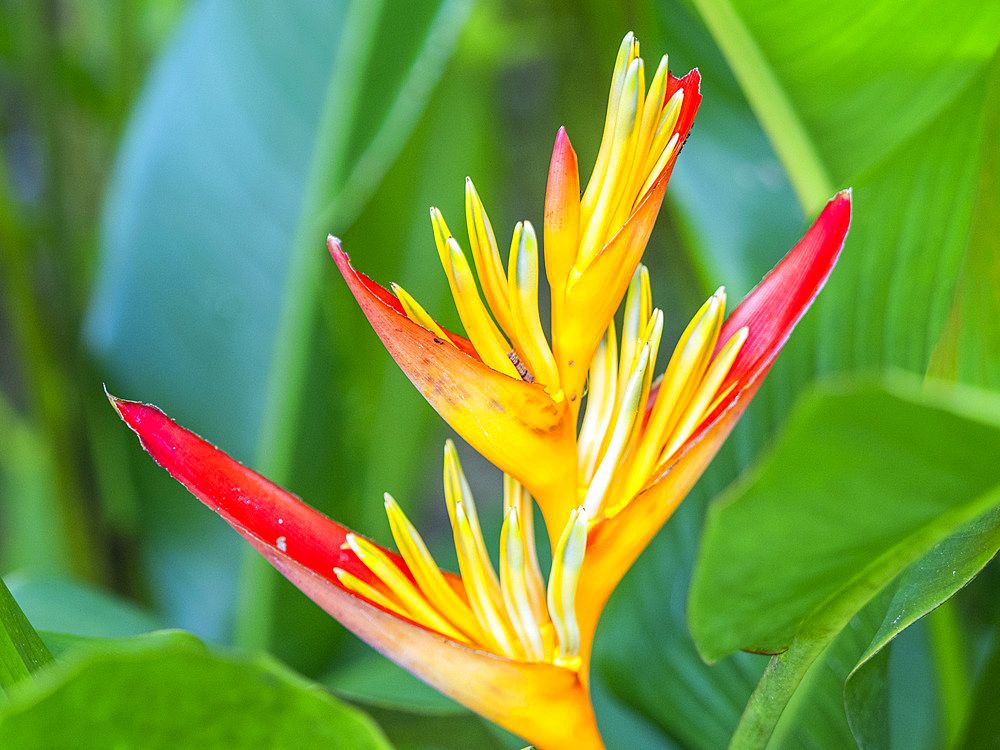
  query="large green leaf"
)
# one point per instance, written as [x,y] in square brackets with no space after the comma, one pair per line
[863,483]
[264,126]
[839,85]
[65,606]
[167,690]
[261,119]
[899,108]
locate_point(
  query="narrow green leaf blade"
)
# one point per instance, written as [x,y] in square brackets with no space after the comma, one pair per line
[21,650]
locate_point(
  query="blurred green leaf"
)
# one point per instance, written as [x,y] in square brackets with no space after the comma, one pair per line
[414,731]
[982,728]
[925,585]
[167,690]
[263,127]
[61,605]
[645,654]
[901,488]
[31,535]
[213,185]
[376,681]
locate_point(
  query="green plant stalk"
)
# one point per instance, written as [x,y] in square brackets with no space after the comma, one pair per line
[948,651]
[288,370]
[778,684]
[21,650]
[333,197]
[788,135]
[52,389]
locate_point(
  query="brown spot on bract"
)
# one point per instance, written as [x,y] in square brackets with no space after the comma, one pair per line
[497,406]
[437,340]
[521,368]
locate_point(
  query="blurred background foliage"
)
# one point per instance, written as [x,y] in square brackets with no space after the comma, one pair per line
[169,171]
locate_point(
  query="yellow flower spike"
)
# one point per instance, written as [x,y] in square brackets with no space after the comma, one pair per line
[516,497]
[638,305]
[651,336]
[408,594]
[458,491]
[687,365]
[622,151]
[427,574]
[600,405]
[417,314]
[647,129]
[514,587]
[567,560]
[652,112]
[664,134]
[481,583]
[482,331]
[522,278]
[666,156]
[627,52]
[486,256]
[441,235]
[562,221]
[355,585]
[707,395]
[627,416]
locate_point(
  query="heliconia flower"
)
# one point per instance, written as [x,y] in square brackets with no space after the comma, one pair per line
[509,393]
[510,641]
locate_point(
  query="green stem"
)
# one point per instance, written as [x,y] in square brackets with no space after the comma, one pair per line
[291,353]
[948,650]
[21,650]
[769,102]
[778,684]
[53,392]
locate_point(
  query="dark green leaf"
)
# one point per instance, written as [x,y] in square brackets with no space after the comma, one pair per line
[167,690]
[926,584]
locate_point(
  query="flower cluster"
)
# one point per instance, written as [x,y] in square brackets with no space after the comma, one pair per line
[511,641]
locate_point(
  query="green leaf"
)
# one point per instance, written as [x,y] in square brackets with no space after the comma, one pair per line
[61,605]
[860,485]
[265,126]
[260,118]
[925,585]
[167,690]
[822,79]
[21,650]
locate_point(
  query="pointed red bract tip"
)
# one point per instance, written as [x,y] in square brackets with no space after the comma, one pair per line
[260,510]
[777,303]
